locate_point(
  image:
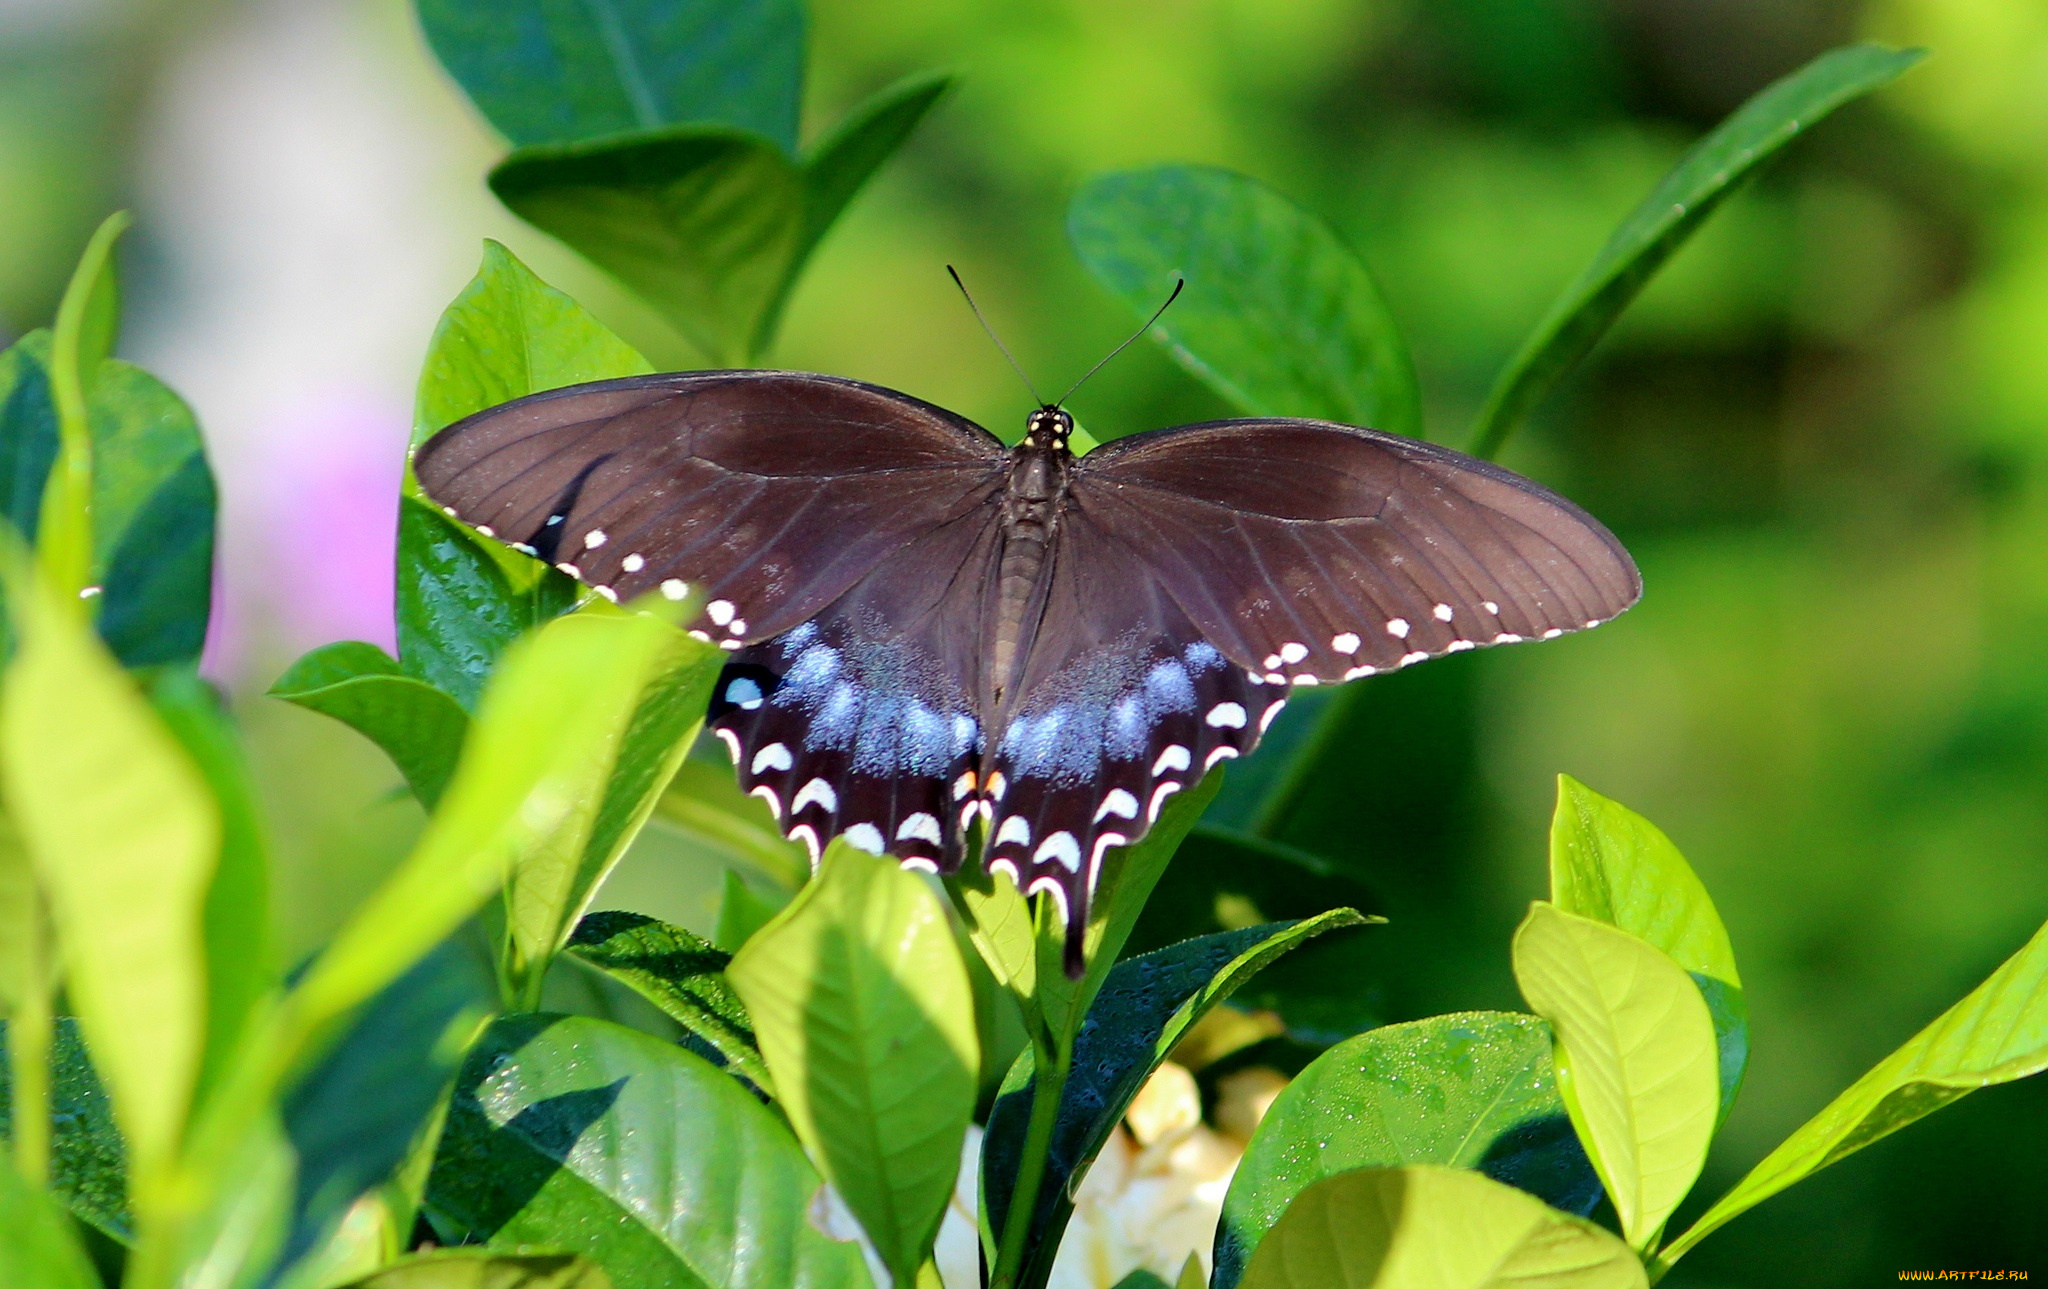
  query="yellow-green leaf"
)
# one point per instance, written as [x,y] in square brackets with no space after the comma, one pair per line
[1635,1058]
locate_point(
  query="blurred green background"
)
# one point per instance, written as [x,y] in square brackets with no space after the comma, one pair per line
[1824,433]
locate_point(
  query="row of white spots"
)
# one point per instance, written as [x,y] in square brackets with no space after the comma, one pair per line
[1225,716]
[1118,802]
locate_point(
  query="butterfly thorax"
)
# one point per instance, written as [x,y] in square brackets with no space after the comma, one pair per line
[1031,512]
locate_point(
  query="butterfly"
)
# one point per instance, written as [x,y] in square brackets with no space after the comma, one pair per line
[930,629]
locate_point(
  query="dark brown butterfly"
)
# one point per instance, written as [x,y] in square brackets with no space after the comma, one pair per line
[928,628]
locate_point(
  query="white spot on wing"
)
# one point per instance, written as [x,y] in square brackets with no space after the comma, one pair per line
[570,569]
[1346,643]
[1222,753]
[1507,637]
[1408,659]
[1159,795]
[773,757]
[719,611]
[1225,716]
[767,794]
[997,785]
[1490,607]
[1119,803]
[607,592]
[675,588]
[1266,717]
[817,790]
[919,827]
[963,787]
[1357,672]
[1017,829]
[731,741]
[593,539]
[865,837]
[1293,651]
[1459,646]
[1172,757]
[1062,849]
[1397,628]
[738,626]
[633,563]
[1553,633]
[487,530]
[1305,679]
[1443,612]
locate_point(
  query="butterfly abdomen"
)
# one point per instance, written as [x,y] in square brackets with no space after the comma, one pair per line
[1031,507]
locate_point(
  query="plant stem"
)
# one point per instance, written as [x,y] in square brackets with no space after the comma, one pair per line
[1048,1083]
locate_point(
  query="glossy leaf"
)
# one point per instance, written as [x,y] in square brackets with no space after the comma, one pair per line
[1709,172]
[552,71]
[1147,1005]
[742,912]
[552,885]
[152,501]
[585,1136]
[864,1011]
[1224,880]
[88,1164]
[703,222]
[419,727]
[537,753]
[481,1269]
[38,1249]
[239,966]
[1610,864]
[1279,315]
[1635,1059]
[125,838]
[679,973]
[1426,1227]
[1997,1033]
[710,224]
[1472,1090]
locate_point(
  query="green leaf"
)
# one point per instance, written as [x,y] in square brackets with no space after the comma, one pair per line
[352,1118]
[741,912]
[1147,1005]
[1224,880]
[1997,1033]
[88,1164]
[1260,791]
[703,222]
[38,1249]
[83,336]
[537,753]
[552,885]
[509,334]
[152,498]
[712,225]
[419,727]
[1279,315]
[705,806]
[588,1137]
[239,966]
[1470,1090]
[553,71]
[1142,1279]
[125,838]
[480,1269]
[678,973]
[1635,1059]
[1709,172]
[1610,864]
[865,1013]
[1426,1227]
[461,603]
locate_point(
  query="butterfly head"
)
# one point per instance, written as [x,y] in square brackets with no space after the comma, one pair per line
[1048,429]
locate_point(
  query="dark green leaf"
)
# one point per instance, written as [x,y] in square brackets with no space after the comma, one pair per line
[1142,1279]
[481,1269]
[153,498]
[679,973]
[1147,1004]
[88,1164]
[1703,178]
[585,1136]
[38,1248]
[237,914]
[706,223]
[555,71]
[1473,1090]
[419,727]
[1279,315]
[1225,880]
[460,604]
[352,1117]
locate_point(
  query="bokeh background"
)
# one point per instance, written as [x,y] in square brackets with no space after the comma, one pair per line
[1824,432]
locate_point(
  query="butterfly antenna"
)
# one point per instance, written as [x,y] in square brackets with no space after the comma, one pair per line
[1178,283]
[1014,365]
